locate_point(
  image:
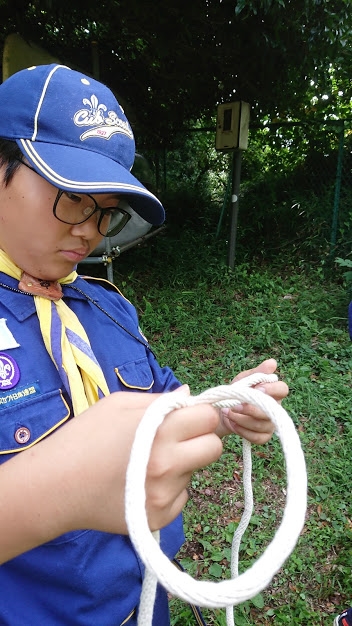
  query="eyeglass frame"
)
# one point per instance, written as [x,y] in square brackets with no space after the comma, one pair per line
[97,208]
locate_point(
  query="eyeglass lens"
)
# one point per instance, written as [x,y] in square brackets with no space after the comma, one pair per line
[72,208]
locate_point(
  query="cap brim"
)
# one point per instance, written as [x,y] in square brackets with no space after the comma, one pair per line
[85,171]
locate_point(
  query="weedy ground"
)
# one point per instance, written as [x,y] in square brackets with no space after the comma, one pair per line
[208,323]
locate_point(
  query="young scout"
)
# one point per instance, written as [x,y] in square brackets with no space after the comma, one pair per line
[76,374]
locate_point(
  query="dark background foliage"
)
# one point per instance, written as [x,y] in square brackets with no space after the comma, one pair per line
[174,61]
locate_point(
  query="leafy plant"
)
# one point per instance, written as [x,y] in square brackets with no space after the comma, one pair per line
[347,265]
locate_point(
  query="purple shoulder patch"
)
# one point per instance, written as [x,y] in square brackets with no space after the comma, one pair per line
[9,372]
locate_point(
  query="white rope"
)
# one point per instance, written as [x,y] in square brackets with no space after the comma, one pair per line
[244,521]
[227,593]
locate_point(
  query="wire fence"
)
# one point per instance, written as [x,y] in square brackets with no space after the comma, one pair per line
[295,184]
[307,168]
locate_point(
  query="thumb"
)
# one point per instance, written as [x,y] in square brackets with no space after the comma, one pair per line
[266,367]
[183,389]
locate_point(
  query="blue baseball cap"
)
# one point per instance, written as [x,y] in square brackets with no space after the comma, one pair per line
[74,133]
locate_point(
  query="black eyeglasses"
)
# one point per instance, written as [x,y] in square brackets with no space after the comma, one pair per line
[75,208]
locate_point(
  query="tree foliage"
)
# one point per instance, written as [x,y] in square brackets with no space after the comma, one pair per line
[175,61]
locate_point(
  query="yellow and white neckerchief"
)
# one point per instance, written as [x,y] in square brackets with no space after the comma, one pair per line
[67,344]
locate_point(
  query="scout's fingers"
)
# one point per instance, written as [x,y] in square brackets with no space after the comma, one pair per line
[256,428]
[247,420]
[266,367]
[186,441]
[278,390]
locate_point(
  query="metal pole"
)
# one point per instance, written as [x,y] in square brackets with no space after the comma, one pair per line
[237,158]
[226,197]
[109,267]
[337,189]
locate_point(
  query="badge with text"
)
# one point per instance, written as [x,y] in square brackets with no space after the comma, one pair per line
[9,372]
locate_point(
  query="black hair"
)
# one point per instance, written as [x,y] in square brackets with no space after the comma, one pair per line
[10,157]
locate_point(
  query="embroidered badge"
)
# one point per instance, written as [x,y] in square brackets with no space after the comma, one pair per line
[104,125]
[9,372]
[7,339]
[20,395]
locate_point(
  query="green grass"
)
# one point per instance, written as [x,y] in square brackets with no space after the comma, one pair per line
[208,323]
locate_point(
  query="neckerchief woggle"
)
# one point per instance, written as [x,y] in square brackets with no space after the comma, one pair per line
[67,344]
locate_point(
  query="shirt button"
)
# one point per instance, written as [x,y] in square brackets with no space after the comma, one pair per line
[22,435]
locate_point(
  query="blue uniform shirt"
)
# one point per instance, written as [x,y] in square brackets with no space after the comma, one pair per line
[85,577]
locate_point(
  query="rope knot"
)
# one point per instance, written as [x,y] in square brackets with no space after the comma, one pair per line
[227,593]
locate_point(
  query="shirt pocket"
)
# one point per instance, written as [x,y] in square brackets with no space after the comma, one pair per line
[136,374]
[24,424]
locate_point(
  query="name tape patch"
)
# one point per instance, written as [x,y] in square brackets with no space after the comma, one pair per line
[24,393]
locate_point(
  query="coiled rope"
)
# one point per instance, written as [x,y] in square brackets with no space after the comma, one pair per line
[227,593]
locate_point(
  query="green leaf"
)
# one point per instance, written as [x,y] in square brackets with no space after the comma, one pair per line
[217,556]
[215,570]
[258,601]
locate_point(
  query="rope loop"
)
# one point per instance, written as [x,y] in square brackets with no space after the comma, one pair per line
[227,593]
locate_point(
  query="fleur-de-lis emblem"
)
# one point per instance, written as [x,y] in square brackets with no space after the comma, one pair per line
[5,370]
[9,371]
[93,116]
[102,123]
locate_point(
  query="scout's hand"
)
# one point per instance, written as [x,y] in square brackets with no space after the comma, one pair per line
[247,420]
[185,441]
[76,477]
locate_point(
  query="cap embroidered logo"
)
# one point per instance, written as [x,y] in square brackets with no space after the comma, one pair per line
[105,127]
